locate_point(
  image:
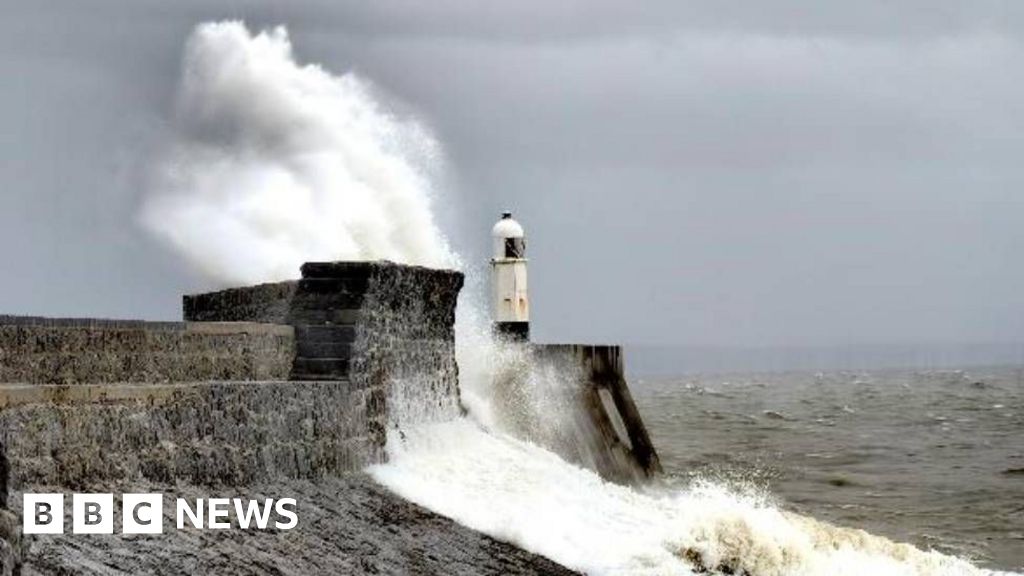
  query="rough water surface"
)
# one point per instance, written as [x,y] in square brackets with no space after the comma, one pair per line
[934,458]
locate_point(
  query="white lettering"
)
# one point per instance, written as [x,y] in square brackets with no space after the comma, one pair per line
[42,514]
[196,518]
[246,515]
[92,513]
[143,514]
[217,508]
[283,511]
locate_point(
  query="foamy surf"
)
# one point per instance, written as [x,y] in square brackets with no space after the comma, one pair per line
[274,163]
[518,492]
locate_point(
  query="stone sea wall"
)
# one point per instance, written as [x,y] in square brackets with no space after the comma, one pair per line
[85,351]
[210,401]
[374,324]
[208,434]
[281,387]
[414,361]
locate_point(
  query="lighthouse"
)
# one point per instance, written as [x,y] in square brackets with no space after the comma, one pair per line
[510,304]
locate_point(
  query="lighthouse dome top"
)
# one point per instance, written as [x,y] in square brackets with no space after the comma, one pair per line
[507,227]
[509,243]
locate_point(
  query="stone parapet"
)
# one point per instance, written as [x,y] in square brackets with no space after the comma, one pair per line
[86,351]
[208,433]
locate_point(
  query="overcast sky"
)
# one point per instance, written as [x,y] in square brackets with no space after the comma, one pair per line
[712,174]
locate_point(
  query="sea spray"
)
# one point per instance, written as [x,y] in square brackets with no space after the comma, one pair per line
[501,385]
[274,163]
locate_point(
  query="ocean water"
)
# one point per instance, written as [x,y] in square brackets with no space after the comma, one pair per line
[933,458]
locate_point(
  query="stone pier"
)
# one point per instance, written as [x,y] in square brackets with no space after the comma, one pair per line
[277,390]
[610,436]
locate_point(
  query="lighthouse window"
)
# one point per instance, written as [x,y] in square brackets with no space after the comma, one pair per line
[515,247]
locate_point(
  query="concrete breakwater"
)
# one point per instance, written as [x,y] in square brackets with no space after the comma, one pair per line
[574,400]
[277,389]
[618,445]
[91,351]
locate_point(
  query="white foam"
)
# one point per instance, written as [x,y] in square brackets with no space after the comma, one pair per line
[274,163]
[518,492]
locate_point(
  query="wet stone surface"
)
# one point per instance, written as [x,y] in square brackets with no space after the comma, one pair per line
[346,526]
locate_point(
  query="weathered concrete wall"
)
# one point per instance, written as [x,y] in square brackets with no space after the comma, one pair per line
[260,303]
[82,351]
[339,307]
[114,405]
[217,435]
[385,323]
[606,431]
[223,433]
[373,323]
[404,339]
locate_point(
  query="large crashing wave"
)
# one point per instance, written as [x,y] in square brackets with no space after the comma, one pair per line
[274,164]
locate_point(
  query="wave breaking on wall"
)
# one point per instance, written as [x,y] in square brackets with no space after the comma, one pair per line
[273,163]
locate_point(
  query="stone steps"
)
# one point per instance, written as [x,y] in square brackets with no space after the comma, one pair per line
[320,369]
[323,352]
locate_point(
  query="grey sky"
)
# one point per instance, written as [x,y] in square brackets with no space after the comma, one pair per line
[719,173]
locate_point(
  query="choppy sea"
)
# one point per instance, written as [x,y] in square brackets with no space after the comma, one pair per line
[934,458]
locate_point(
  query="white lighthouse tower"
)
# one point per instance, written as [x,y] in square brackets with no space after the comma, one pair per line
[508,279]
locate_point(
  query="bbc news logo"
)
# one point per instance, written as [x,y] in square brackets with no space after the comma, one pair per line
[144,513]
